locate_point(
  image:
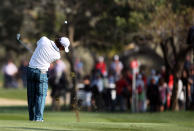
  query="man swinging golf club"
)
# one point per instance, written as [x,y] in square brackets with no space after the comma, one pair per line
[45,53]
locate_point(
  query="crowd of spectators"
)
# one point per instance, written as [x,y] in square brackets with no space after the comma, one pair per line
[12,73]
[113,87]
[110,88]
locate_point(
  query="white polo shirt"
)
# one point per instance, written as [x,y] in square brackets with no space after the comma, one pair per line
[45,53]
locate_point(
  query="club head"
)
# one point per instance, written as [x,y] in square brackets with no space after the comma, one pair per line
[18,36]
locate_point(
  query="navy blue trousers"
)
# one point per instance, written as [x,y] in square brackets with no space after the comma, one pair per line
[37,86]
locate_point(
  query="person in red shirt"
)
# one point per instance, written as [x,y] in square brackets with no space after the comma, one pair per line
[101,66]
[170,88]
[122,92]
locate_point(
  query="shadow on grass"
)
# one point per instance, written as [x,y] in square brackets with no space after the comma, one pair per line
[19,109]
[38,129]
[10,109]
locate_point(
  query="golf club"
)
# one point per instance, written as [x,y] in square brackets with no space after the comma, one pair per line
[18,38]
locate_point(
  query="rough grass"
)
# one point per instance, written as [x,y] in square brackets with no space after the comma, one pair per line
[16,119]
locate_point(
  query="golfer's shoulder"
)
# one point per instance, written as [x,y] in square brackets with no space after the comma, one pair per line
[43,40]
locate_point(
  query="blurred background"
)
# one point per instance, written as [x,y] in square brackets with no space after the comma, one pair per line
[125,55]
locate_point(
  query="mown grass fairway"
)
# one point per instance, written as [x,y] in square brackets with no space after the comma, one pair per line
[19,94]
[16,119]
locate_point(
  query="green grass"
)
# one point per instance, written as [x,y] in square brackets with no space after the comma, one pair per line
[1,79]
[16,119]
[11,93]
[19,94]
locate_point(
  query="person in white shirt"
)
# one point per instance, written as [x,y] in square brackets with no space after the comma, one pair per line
[59,84]
[181,95]
[117,67]
[46,52]
[60,68]
[10,70]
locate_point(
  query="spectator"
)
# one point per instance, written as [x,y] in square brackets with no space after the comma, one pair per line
[153,76]
[23,72]
[169,91]
[153,95]
[122,91]
[144,78]
[51,75]
[58,84]
[140,87]
[78,66]
[181,95]
[53,85]
[60,68]
[129,77]
[101,66]
[116,66]
[187,64]
[110,93]
[97,91]
[187,88]
[88,93]
[162,90]
[10,70]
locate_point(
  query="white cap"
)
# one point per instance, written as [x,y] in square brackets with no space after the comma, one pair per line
[65,43]
[116,57]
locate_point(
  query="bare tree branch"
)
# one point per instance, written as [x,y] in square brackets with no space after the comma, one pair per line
[165,54]
[171,39]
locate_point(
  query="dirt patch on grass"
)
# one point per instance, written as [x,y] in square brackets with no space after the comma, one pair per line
[12,102]
[16,102]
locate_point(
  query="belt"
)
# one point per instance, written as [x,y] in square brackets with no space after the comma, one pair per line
[41,71]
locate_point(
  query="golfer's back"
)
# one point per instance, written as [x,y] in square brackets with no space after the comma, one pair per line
[45,53]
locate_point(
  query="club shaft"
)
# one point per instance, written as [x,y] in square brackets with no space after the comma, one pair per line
[25,46]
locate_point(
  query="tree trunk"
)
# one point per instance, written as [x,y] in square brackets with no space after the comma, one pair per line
[174,100]
[177,70]
[71,59]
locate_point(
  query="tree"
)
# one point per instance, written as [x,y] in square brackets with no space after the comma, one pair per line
[11,20]
[168,29]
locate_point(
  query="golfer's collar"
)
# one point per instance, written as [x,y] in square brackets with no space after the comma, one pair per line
[54,46]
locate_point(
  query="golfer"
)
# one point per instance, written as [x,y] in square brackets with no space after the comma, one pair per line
[45,53]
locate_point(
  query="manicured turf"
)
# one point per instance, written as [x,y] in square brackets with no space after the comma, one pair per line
[16,119]
[19,94]
[11,93]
